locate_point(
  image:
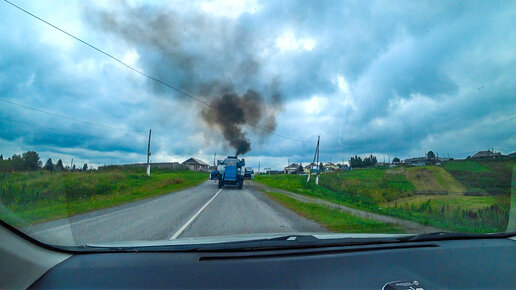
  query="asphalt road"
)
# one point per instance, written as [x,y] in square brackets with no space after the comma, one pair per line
[199,211]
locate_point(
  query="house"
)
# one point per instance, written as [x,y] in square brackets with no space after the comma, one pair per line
[291,169]
[486,155]
[196,165]
[311,166]
[417,161]
[422,161]
[330,166]
[512,155]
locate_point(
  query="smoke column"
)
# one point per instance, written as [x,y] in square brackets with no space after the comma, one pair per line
[214,59]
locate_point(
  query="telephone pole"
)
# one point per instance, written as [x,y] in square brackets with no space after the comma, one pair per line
[148,154]
[316,157]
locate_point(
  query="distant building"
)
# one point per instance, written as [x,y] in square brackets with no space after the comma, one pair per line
[291,169]
[512,155]
[309,167]
[330,166]
[196,165]
[486,155]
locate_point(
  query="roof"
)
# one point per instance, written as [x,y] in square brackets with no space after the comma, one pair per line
[292,166]
[330,164]
[195,161]
[309,165]
[487,153]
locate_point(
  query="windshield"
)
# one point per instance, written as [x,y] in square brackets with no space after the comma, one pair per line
[139,121]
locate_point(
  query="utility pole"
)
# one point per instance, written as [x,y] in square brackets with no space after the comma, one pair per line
[316,156]
[258,167]
[318,169]
[214,159]
[71,164]
[148,154]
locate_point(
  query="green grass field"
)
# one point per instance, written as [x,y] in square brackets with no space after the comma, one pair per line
[469,197]
[491,177]
[32,197]
[334,220]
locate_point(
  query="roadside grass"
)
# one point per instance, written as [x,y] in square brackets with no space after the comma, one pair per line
[390,192]
[33,197]
[334,220]
[451,202]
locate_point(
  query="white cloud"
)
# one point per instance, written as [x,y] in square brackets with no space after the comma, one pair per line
[288,41]
[230,8]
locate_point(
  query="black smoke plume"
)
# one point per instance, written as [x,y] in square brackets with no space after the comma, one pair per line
[214,59]
[230,112]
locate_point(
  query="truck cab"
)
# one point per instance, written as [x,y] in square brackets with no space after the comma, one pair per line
[232,173]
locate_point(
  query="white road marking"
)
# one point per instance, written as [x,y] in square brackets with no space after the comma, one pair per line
[180,231]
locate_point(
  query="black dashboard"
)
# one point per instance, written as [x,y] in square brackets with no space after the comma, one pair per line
[452,264]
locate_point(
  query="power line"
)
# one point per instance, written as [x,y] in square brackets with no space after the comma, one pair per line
[65,117]
[138,71]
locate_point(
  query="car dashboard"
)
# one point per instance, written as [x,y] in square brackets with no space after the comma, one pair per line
[449,264]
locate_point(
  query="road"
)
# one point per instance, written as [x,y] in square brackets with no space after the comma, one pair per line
[199,211]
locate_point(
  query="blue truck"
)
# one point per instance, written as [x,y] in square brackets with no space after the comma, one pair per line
[232,173]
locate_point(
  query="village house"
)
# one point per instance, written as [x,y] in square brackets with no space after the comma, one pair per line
[486,155]
[196,165]
[329,166]
[291,169]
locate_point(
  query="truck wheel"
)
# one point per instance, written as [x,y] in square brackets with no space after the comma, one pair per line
[241,184]
[220,183]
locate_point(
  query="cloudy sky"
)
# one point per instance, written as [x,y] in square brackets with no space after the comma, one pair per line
[391,78]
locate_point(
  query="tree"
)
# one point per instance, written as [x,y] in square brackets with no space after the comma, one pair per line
[59,165]
[1,157]
[430,154]
[321,166]
[358,162]
[300,169]
[31,160]
[396,160]
[16,163]
[49,165]
[73,167]
[85,167]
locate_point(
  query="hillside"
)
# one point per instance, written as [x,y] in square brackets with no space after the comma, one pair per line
[460,195]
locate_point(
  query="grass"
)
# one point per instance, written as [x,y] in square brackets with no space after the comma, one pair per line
[433,179]
[33,197]
[334,220]
[484,177]
[467,201]
[467,165]
[374,184]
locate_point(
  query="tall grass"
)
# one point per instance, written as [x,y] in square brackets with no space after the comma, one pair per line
[390,192]
[29,197]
